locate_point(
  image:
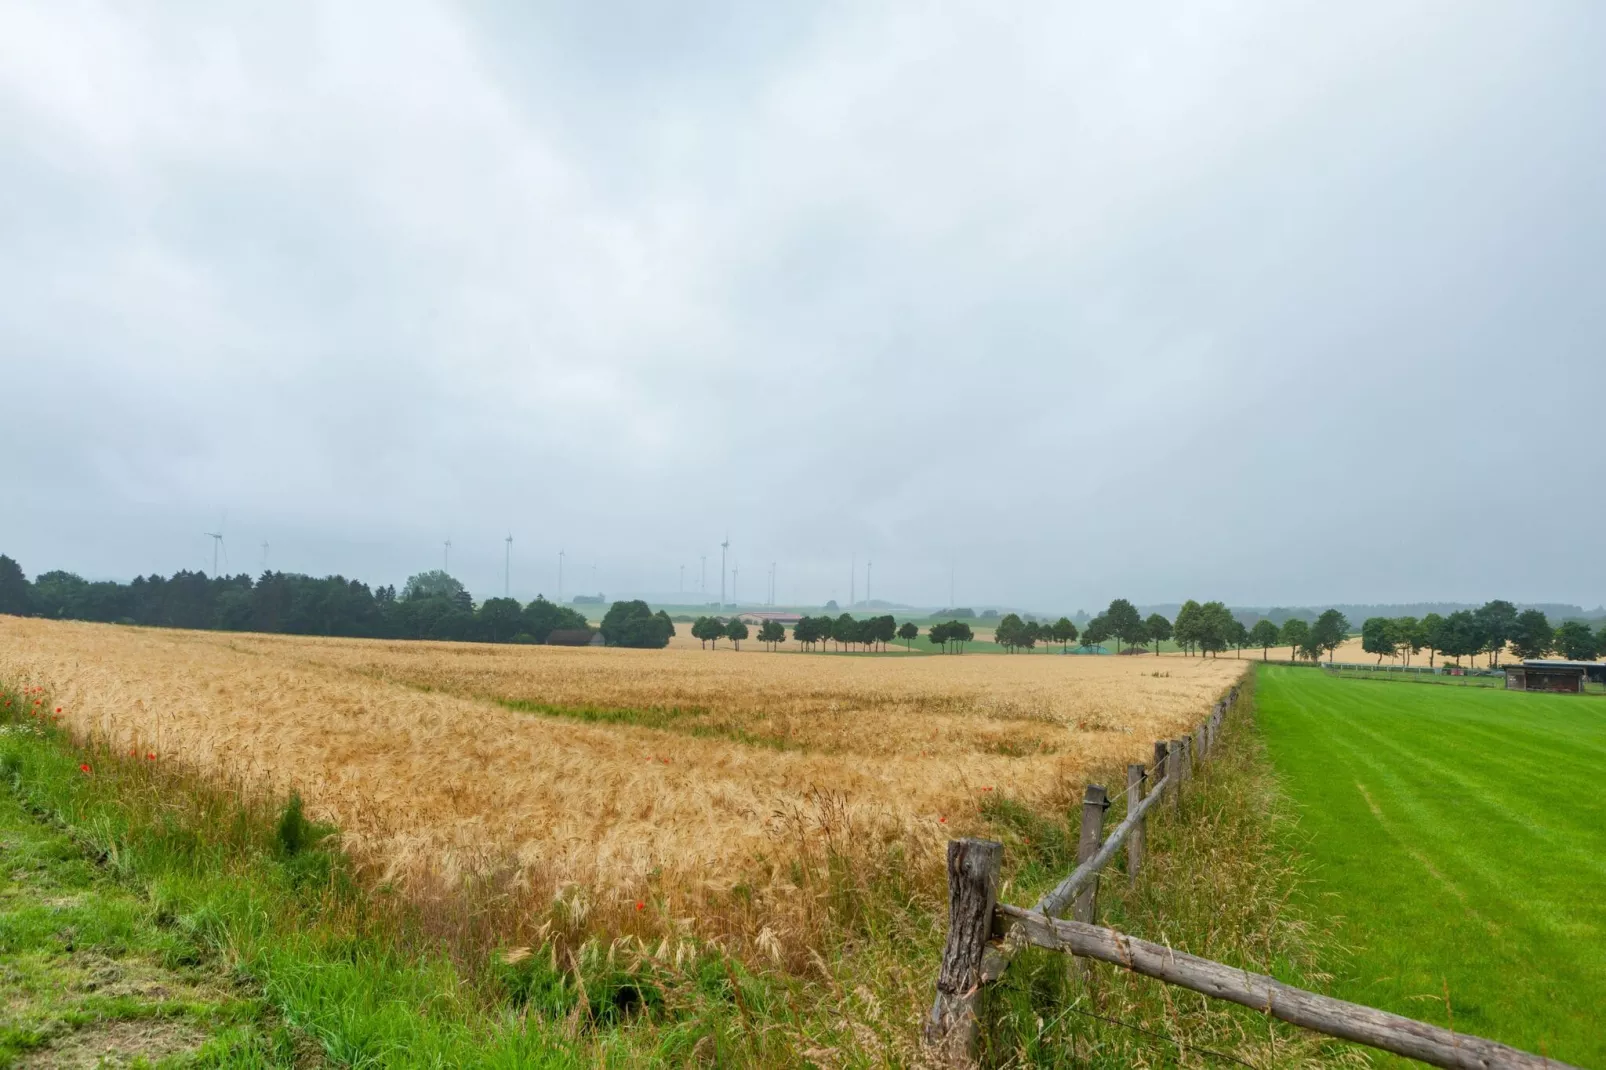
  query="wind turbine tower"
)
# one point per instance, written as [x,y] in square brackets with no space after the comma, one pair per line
[867,566]
[853,579]
[724,546]
[560,577]
[507,567]
[217,542]
[446,558]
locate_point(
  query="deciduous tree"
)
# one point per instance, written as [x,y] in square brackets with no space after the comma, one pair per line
[1186,628]
[1263,635]
[1158,630]
[1497,621]
[16,593]
[633,624]
[1295,633]
[771,633]
[1433,635]
[1575,642]
[1125,624]
[1532,636]
[1377,637]
[1010,633]
[736,631]
[1330,630]
[908,631]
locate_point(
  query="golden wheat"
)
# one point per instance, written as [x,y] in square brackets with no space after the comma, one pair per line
[411,749]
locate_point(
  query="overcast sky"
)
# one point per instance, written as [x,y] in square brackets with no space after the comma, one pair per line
[1272,302]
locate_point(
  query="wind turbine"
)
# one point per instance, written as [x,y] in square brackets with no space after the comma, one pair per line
[507,567]
[264,556]
[722,548]
[853,579]
[702,577]
[736,570]
[217,541]
[560,577]
[868,565]
[446,558]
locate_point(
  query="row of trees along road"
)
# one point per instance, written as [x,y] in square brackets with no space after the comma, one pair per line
[873,633]
[431,605]
[1489,630]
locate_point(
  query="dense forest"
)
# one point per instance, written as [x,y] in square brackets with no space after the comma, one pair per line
[432,605]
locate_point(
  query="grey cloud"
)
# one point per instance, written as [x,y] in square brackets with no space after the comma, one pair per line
[1154,301]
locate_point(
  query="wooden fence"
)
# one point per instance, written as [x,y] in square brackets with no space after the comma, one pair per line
[984,935]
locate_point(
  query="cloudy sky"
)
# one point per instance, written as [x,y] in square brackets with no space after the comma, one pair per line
[1274,302]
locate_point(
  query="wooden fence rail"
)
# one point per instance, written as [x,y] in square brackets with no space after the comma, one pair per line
[985,935]
[1323,1014]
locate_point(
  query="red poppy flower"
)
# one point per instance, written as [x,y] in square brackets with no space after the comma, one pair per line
[942,820]
[150,757]
[58,709]
[84,769]
[640,905]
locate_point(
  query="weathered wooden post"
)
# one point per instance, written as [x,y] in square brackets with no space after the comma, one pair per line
[1161,767]
[1095,800]
[1177,763]
[1134,839]
[973,867]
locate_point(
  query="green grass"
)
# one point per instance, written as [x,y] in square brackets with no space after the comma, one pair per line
[89,970]
[1461,836]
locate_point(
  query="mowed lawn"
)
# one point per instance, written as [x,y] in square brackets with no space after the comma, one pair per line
[1461,835]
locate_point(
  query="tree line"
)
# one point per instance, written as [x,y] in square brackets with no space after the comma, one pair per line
[431,605]
[870,633]
[1490,629]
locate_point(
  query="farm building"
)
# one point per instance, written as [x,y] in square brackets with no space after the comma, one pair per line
[574,637]
[1541,675]
[760,616]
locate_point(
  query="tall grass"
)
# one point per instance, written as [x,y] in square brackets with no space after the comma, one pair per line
[1221,879]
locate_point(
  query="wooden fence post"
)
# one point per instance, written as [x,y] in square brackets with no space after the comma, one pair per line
[1134,839]
[973,867]
[1095,800]
[1162,765]
[1177,763]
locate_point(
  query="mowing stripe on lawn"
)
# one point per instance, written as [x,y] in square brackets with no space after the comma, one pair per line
[1461,836]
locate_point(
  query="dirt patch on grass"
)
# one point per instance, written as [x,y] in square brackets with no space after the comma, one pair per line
[119,1043]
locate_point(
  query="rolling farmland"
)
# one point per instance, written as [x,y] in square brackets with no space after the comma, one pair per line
[1460,835]
[674,775]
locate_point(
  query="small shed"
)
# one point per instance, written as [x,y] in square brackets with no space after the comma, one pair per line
[1564,676]
[574,637]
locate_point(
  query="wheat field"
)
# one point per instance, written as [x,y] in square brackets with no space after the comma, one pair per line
[637,771]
